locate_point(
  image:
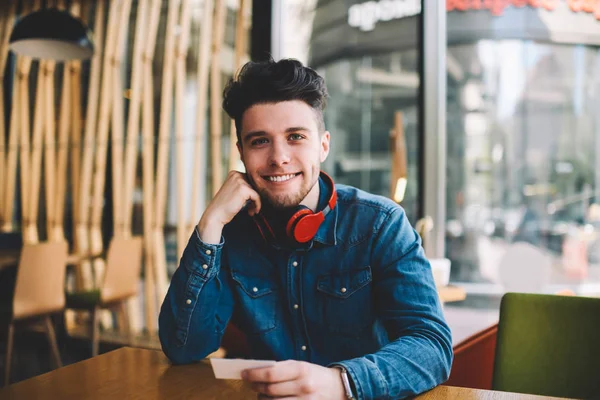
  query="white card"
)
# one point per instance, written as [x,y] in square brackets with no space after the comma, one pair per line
[225,368]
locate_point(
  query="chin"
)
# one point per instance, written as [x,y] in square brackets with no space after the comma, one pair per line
[280,203]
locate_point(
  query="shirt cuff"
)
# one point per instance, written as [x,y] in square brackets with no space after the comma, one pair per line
[366,380]
[201,258]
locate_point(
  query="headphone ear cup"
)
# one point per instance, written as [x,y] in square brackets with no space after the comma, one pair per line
[306,227]
[301,212]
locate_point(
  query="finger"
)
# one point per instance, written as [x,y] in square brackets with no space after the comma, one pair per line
[287,388]
[265,397]
[280,372]
[255,198]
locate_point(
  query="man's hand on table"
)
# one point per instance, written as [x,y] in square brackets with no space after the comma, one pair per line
[296,380]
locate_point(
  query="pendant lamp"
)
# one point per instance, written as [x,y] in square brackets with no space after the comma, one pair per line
[52,34]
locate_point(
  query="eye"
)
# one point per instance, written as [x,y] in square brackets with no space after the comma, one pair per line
[258,142]
[295,136]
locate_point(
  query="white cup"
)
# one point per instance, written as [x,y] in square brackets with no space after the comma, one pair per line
[440,267]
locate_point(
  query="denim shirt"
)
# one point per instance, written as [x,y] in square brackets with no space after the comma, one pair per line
[361,296]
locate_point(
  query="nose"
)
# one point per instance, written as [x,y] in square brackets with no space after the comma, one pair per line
[279,154]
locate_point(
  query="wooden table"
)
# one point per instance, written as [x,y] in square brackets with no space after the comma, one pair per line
[130,373]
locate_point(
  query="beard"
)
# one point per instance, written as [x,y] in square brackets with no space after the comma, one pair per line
[285,201]
[282,202]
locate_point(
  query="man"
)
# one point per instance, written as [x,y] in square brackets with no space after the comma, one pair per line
[327,279]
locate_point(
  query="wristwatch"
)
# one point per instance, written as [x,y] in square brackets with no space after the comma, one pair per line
[346,382]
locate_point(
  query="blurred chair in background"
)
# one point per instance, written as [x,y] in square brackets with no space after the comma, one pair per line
[548,345]
[121,280]
[39,292]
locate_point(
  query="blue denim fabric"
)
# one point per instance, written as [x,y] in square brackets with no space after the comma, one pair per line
[364,290]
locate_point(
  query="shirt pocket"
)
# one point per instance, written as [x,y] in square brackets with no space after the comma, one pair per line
[346,301]
[258,300]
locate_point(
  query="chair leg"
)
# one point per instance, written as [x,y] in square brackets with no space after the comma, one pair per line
[126,328]
[9,347]
[95,325]
[52,340]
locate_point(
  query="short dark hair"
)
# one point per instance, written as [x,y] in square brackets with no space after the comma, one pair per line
[272,82]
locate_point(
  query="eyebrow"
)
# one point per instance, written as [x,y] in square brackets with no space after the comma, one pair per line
[253,134]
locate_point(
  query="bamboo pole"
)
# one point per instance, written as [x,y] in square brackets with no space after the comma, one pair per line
[33,192]
[28,187]
[63,150]
[133,122]
[23,67]
[216,123]
[116,9]
[181,54]
[84,279]
[7,27]
[164,127]
[153,279]
[76,132]
[50,153]
[240,51]
[117,121]
[11,161]
[25,148]
[199,171]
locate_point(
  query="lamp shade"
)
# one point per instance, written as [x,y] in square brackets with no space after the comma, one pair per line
[52,34]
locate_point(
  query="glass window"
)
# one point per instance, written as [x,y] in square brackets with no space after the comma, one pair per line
[368,85]
[365,94]
[523,183]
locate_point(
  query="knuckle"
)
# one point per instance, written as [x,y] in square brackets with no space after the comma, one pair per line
[269,376]
[269,390]
[309,385]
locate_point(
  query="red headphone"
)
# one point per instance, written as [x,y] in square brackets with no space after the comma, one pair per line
[304,223]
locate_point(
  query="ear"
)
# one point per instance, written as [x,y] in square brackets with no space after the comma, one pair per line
[324,147]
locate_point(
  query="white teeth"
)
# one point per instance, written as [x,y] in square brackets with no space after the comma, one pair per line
[280,178]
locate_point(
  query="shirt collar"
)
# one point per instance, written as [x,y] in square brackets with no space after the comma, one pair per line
[327,231]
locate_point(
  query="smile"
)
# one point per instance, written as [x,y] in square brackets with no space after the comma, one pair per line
[280,178]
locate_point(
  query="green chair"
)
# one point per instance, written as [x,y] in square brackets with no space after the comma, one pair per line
[548,345]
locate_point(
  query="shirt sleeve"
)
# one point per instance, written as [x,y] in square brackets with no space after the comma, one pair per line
[198,304]
[419,355]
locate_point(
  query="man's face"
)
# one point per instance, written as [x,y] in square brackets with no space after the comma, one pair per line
[282,151]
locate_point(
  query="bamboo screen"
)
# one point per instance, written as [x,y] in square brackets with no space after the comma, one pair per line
[119,145]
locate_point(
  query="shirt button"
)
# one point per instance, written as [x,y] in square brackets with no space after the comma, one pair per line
[303,348]
[296,306]
[343,290]
[208,252]
[295,263]
[204,266]
[188,301]
[255,289]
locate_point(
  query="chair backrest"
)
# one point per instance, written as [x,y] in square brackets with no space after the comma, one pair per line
[473,365]
[123,266]
[40,284]
[548,345]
